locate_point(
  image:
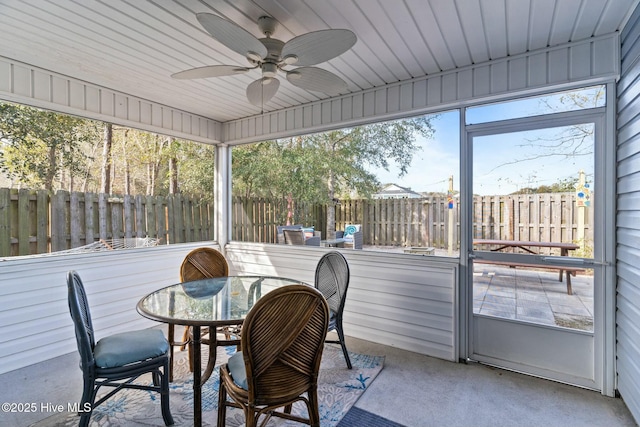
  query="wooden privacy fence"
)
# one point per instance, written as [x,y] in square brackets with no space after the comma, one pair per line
[425,221]
[256,219]
[35,222]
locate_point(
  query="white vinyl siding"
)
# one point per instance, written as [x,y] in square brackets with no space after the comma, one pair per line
[32,86]
[409,304]
[35,324]
[628,219]
[392,299]
[591,61]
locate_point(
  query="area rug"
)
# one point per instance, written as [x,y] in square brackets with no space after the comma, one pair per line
[338,389]
[357,417]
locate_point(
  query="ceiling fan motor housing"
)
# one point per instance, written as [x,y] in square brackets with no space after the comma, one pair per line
[267,25]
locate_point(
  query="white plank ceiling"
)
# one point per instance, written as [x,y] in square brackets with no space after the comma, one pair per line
[133,46]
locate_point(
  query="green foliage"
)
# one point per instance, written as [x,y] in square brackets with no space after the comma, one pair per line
[196,169]
[38,146]
[562,186]
[320,167]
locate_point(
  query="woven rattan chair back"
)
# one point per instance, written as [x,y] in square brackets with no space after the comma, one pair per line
[332,279]
[203,263]
[200,263]
[282,342]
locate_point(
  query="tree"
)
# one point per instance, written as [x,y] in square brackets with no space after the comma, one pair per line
[39,147]
[105,176]
[570,141]
[322,167]
[194,169]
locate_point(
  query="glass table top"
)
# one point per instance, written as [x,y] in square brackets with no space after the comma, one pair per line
[220,300]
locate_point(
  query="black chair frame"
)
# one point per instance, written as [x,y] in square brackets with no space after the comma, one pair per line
[120,377]
[334,288]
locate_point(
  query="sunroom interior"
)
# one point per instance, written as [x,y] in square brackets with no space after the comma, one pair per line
[113,61]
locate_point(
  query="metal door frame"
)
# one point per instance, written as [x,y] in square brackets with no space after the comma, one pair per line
[603,336]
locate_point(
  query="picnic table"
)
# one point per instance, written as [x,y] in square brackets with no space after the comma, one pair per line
[527,246]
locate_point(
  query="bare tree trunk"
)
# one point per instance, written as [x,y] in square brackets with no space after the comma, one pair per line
[150,178]
[52,167]
[85,180]
[127,171]
[105,183]
[331,207]
[173,171]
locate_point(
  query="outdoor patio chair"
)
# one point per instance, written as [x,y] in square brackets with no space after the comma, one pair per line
[116,360]
[332,279]
[282,343]
[202,263]
[297,237]
[352,235]
[280,231]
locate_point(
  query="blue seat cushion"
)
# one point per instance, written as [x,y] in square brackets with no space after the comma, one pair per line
[129,347]
[237,370]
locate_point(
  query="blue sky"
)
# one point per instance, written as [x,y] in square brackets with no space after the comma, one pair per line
[502,163]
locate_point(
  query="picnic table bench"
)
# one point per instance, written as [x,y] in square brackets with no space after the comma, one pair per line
[526,246]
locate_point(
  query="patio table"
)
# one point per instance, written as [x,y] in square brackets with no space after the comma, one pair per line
[334,243]
[526,246]
[215,302]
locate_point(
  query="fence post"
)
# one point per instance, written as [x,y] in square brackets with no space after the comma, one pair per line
[89,218]
[5,228]
[58,221]
[75,217]
[42,221]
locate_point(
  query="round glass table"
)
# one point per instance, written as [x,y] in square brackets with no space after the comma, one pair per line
[212,303]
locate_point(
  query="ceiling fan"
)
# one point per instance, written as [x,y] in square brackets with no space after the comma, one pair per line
[271,56]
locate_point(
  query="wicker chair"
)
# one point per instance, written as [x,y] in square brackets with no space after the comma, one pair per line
[200,263]
[282,343]
[332,279]
[116,360]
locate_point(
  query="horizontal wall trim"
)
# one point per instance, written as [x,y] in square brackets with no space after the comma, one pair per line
[596,60]
[25,84]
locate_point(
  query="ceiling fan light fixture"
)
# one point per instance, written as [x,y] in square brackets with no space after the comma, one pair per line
[253,57]
[290,59]
[269,69]
[293,75]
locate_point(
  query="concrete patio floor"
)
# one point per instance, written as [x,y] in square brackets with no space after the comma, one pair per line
[412,389]
[533,295]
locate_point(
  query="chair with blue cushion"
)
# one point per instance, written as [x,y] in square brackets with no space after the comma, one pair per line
[332,279]
[281,347]
[352,236]
[116,360]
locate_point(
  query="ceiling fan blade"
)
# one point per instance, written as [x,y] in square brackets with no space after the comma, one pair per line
[317,80]
[262,90]
[210,71]
[319,46]
[231,35]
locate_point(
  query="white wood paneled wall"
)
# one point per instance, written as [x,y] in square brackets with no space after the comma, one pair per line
[36,87]
[590,61]
[393,299]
